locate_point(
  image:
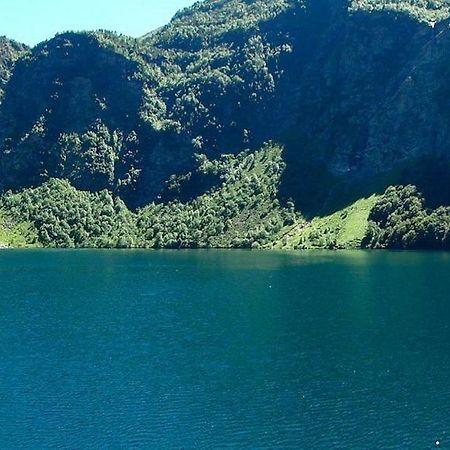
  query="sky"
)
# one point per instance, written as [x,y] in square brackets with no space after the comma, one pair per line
[32,21]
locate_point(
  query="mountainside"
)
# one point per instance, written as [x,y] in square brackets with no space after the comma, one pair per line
[10,51]
[356,94]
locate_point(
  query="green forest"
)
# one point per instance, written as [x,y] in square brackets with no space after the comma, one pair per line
[290,124]
[241,211]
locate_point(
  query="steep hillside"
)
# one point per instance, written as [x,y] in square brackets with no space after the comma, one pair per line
[356,93]
[242,211]
[427,11]
[10,51]
[71,111]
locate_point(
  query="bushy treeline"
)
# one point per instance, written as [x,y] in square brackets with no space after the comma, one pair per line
[401,220]
[241,211]
[64,217]
[430,11]
[398,219]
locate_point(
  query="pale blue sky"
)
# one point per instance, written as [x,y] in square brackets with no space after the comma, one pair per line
[32,21]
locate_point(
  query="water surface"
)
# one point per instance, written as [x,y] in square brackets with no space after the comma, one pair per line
[215,349]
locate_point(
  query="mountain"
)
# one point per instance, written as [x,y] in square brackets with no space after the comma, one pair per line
[355,93]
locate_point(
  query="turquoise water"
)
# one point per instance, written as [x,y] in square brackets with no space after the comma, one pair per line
[214,349]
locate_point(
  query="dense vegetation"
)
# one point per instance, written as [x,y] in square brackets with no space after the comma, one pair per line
[110,112]
[111,141]
[62,216]
[400,220]
[241,211]
[15,234]
[10,52]
[424,10]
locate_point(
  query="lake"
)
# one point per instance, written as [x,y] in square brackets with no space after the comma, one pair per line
[215,349]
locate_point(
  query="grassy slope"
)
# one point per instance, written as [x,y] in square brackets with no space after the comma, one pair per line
[13,235]
[343,229]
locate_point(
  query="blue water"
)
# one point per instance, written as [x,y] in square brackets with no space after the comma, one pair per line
[224,349]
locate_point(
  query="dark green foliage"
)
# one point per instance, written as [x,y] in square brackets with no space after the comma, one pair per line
[65,217]
[107,111]
[351,96]
[431,11]
[89,160]
[10,52]
[71,110]
[242,212]
[400,220]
